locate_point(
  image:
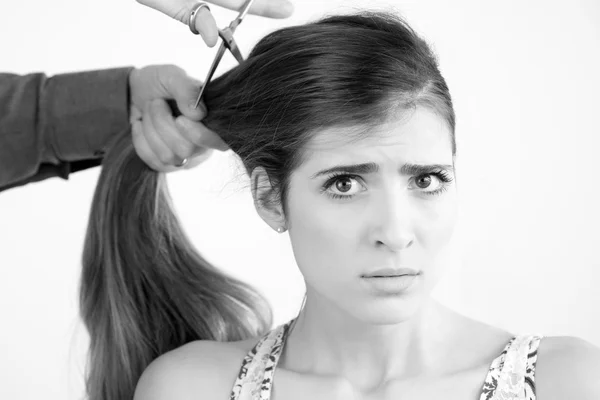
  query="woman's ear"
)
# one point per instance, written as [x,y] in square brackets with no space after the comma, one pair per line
[266,199]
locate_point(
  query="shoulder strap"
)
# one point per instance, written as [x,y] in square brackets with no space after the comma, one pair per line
[255,377]
[512,374]
[530,367]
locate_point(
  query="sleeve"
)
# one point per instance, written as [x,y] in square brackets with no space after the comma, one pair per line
[54,126]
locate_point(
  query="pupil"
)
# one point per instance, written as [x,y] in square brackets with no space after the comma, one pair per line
[343,187]
[426,179]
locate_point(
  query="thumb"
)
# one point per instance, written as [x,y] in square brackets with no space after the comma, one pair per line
[184,90]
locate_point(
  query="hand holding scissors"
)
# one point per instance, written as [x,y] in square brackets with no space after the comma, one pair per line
[228,42]
[167,142]
[205,22]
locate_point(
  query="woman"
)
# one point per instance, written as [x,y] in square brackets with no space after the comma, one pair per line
[346,128]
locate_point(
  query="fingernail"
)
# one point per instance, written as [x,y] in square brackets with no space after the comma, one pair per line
[201,107]
[222,146]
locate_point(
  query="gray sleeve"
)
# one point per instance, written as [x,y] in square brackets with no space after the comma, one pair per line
[53,126]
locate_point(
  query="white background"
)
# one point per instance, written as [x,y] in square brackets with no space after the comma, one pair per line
[525,80]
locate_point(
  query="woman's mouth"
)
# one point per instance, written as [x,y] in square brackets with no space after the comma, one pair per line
[390,272]
[390,284]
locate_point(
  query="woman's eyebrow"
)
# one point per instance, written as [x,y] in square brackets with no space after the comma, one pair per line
[371,167]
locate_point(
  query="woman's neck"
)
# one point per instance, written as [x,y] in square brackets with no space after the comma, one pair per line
[327,342]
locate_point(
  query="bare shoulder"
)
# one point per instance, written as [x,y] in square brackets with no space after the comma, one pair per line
[567,367]
[476,343]
[200,369]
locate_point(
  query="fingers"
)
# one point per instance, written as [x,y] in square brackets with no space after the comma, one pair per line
[162,142]
[143,149]
[198,134]
[180,9]
[163,136]
[184,89]
[207,26]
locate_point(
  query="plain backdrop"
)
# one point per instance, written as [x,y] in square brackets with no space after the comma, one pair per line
[524,78]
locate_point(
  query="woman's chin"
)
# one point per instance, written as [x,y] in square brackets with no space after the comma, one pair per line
[387,311]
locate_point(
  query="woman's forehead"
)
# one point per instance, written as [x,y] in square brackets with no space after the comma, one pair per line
[418,134]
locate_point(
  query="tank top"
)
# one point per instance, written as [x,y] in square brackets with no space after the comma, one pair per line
[511,375]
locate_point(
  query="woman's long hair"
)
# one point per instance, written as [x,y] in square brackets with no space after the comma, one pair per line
[145,290]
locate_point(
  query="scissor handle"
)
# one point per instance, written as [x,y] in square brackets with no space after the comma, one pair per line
[227,37]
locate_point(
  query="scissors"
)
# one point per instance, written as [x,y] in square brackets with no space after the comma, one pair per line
[226,34]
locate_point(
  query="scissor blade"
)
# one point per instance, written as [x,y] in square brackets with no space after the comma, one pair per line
[211,71]
[236,53]
[243,11]
[234,49]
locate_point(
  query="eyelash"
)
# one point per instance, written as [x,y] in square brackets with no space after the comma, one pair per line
[442,175]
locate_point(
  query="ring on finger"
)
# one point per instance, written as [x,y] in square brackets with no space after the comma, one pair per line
[194,13]
[182,163]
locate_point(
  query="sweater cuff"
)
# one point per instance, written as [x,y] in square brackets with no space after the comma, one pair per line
[82,112]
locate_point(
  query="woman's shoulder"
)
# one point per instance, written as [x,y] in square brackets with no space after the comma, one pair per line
[199,369]
[567,368]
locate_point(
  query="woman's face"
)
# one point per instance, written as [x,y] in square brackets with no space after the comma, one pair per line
[394,212]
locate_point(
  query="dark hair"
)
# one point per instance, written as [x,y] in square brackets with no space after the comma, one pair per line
[145,290]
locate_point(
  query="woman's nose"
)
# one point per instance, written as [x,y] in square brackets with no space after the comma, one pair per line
[393,223]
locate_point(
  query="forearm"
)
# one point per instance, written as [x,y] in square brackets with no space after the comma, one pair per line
[53,126]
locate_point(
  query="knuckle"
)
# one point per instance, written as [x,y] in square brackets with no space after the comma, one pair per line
[172,70]
[182,14]
[175,69]
[160,112]
[165,158]
[147,111]
[155,104]
[182,150]
[196,139]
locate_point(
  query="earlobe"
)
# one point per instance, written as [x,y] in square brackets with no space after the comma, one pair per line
[266,199]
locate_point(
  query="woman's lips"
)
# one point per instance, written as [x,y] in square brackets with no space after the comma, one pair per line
[391,285]
[390,272]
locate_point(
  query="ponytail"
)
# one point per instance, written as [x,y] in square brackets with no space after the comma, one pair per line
[144,289]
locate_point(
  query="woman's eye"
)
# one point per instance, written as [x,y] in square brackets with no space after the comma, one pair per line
[345,185]
[423,181]
[427,181]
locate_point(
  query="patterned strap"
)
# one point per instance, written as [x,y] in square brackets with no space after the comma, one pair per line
[512,374]
[530,369]
[255,377]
